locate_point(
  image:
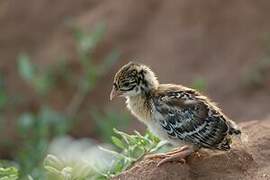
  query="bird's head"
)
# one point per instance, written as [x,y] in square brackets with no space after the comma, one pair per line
[133,79]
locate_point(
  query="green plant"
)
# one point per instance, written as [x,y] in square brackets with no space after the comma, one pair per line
[91,72]
[41,80]
[9,173]
[57,169]
[37,128]
[132,148]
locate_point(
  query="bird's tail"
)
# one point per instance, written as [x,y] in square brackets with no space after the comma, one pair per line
[234,129]
[225,144]
[236,134]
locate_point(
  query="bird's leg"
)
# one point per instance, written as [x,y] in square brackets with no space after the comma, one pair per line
[177,150]
[178,156]
[156,156]
[168,154]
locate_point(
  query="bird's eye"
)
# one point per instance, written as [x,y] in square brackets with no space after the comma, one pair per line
[126,84]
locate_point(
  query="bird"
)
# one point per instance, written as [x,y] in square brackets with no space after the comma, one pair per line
[174,113]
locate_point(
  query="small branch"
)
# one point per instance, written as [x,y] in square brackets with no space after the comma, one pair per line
[76,101]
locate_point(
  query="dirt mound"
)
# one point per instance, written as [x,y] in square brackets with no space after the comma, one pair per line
[251,162]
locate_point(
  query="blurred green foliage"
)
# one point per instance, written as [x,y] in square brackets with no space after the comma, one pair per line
[36,130]
[85,43]
[41,81]
[199,84]
[3,93]
[57,169]
[9,173]
[37,126]
[105,122]
[130,148]
[256,76]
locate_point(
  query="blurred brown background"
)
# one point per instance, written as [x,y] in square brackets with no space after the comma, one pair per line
[223,44]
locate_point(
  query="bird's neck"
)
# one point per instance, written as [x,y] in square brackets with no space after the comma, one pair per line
[140,106]
[139,97]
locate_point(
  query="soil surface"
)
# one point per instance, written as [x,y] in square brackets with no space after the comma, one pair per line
[251,160]
[219,41]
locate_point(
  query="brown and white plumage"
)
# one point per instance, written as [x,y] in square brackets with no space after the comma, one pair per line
[174,113]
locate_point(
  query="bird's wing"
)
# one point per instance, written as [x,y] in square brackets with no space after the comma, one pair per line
[187,117]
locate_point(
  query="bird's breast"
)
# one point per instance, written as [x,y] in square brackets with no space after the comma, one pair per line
[139,108]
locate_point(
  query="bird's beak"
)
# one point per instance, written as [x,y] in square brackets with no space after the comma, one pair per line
[114,93]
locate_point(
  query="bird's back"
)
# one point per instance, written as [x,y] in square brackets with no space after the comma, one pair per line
[189,116]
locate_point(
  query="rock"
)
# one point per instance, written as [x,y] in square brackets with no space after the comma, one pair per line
[250,160]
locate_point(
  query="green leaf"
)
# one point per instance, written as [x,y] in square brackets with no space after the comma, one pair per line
[114,153]
[133,148]
[3,98]
[25,67]
[128,138]
[137,151]
[118,167]
[109,61]
[42,83]
[3,93]
[10,173]
[116,141]
[158,146]
[26,122]
[86,42]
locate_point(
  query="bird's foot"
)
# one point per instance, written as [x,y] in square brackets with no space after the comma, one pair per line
[156,156]
[177,155]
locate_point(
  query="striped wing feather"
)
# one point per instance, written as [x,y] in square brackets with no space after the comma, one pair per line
[186,117]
